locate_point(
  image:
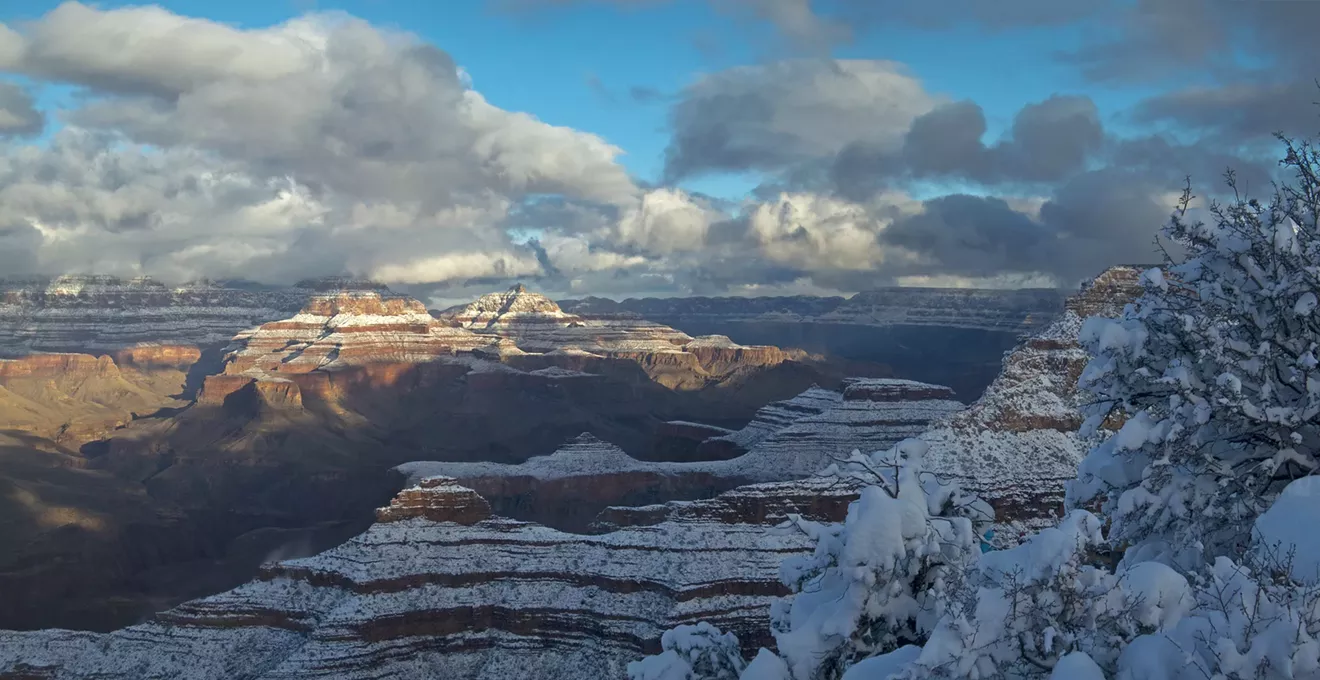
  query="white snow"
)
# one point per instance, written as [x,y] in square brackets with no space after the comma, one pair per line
[1289,528]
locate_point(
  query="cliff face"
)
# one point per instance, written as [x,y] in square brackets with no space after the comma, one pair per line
[534,323]
[1011,310]
[76,398]
[443,584]
[335,333]
[1018,443]
[787,441]
[437,588]
[293,441]
[74,538]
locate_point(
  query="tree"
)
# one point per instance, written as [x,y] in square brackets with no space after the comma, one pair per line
[1216,370]
[692,652]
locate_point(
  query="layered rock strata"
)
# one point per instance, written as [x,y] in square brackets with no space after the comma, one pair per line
[282,359]
[75,398]
[435,588]
[535,324]
[953,337]
[96,314]
[1018,444]
[1015,310]
[788,440]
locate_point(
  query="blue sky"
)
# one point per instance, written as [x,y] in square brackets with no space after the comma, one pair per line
[544,62]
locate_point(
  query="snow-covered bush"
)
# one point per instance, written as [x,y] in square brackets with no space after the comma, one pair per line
[699,652]
[875,580]
[1028,608]
[1216,368]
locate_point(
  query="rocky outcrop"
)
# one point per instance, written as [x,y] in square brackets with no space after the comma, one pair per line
[332,333]
[1012,310]
[75,398]
[436,499]
[496,598]
[1018,444]
[818,498]
[787,441]
[536,324]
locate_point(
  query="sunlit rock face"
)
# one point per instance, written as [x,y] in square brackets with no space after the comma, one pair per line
[536,324]
[75,398]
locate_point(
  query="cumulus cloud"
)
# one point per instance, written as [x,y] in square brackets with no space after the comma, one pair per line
[770,116]
[1049,141]
[320,145]
[325,145]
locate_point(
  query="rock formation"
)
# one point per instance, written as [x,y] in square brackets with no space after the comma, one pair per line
[436,588]
[292,442]
[334,332]
[96,314]
[1018,444]
[74,538]
[953,337]
[442,584]
[1018,311]
[787,441]
[75,398]
[535,324]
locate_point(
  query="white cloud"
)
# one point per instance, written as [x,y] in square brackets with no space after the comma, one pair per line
[665,221]
[813,232]
[459,266]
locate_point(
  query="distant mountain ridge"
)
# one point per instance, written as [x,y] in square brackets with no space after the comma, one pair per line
[1016,310]
[99,314]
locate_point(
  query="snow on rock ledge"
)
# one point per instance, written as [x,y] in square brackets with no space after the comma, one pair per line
[411,597]
[438,499]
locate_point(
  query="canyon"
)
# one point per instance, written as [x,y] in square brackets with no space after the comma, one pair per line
[450,580]
[947,336]
[286,442]
[577,478]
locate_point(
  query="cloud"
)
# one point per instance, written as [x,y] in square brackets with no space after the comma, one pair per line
[1049,141]
[318,146]
[796,20]
[18,113]
[1238,71]
[770,116]
[459,266]
[816,26]
[325,145]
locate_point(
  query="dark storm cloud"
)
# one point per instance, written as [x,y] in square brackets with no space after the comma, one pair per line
[1094,220]
[771,116]
[1255,64]
[973,236]
[19,247]
[1049,141]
